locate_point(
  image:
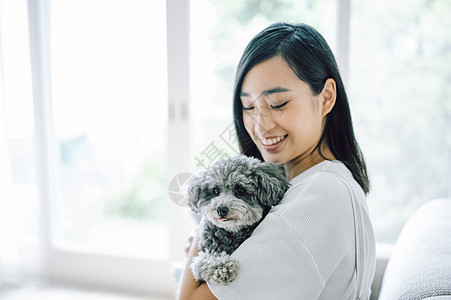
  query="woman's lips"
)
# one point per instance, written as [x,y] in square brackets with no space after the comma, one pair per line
[268,141]
[272,143]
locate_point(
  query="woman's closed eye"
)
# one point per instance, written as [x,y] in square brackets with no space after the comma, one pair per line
[272,106]
[279,106]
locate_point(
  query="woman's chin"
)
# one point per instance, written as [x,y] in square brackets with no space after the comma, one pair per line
[271,158]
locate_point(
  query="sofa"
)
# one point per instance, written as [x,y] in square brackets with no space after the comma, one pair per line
[419,265]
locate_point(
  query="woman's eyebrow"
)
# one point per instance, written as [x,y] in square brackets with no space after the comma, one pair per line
[274,91]
[267,92]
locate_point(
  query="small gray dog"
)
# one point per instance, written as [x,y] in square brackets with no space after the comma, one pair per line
[233,195]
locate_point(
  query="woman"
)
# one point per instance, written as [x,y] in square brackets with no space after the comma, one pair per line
[290,107]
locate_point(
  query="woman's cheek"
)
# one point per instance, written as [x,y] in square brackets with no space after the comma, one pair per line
[248,124]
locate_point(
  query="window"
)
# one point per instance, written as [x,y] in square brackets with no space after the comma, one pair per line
[109,96]
[400,68]
[19,200]
[100,88]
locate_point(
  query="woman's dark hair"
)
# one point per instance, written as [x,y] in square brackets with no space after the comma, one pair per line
[310,58]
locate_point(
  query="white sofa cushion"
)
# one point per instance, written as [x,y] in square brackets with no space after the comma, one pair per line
[420,264]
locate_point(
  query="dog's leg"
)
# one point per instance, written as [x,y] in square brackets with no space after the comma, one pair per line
[217,268]
[202,266]
[226,269]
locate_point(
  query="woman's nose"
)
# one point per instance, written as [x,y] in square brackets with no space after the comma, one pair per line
[264,120]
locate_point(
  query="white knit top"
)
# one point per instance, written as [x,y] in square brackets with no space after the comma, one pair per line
[318,243]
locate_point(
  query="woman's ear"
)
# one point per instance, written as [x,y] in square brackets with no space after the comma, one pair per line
[328,96]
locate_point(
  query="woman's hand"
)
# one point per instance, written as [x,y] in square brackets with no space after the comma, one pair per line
[190,288]
[188,244]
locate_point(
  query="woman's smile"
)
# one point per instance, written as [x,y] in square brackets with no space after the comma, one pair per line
[272,143]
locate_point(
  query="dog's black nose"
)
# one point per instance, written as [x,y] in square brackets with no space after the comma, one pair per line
[222,211]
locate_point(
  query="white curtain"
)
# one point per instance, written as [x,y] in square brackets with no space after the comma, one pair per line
[10,264]
[12,81]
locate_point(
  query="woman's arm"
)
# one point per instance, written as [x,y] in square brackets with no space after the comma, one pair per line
[190,288]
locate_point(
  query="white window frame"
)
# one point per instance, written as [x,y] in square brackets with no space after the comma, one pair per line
[342,44]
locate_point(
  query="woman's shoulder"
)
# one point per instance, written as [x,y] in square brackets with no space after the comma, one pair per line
[326,184]
[328,169]
[317,213]
[320,204]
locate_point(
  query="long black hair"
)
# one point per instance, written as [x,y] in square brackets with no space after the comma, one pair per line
[309,56]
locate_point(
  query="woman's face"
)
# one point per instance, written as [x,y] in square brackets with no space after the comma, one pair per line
[280,112]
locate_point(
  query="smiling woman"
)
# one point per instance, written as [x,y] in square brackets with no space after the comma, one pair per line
[394,59]
[290,108]
[319,93]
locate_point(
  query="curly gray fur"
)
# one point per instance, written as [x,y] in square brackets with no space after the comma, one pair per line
[233,195]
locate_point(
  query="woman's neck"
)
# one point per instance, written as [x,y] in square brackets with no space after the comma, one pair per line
[304,162]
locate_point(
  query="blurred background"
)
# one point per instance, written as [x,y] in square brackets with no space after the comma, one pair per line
[107,107]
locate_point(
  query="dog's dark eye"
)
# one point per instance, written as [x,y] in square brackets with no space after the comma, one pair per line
[239,190]
[216,191]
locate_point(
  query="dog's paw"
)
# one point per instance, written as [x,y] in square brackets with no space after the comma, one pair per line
[219,269]
[225,272]
[203,266]
[198,267]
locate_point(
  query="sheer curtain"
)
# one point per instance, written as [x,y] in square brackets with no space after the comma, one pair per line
[10,263]
[19,209]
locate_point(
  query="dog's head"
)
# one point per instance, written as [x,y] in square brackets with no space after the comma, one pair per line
[237,191]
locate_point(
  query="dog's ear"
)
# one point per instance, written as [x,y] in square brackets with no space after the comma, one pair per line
[194,194]
[272,183]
